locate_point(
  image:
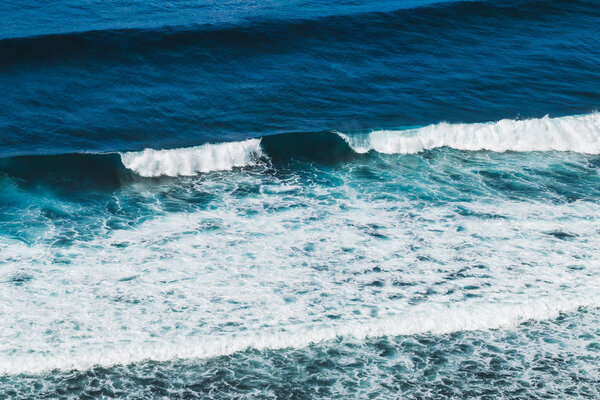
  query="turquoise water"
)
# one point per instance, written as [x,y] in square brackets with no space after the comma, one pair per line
[369,274]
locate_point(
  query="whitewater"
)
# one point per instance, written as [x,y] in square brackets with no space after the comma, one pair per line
[299,199]
[579,134]
[245,254]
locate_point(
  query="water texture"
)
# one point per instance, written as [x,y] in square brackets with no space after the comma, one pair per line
[300,199]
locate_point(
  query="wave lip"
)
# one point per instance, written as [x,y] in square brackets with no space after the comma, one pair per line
[193,160]
[580,134]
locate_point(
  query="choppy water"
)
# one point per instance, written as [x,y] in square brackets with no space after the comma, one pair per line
[300,200]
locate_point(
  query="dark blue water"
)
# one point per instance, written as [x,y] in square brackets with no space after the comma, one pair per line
[299,199]
[97,79]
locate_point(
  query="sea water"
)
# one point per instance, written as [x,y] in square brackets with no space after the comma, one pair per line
[395,199]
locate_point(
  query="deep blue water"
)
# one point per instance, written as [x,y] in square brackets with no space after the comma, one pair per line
[299,199]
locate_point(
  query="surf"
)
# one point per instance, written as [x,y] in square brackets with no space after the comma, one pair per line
[193,160]
[578,134]
[429,319]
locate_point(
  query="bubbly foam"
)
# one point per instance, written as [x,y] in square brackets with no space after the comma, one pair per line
[579,134]
[215,265]
[215,282]
[193,160]
[436,319]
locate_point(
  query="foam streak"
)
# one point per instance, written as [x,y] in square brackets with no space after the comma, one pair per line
[434,319]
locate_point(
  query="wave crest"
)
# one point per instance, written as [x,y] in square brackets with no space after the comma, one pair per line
[579,134]
[193,160]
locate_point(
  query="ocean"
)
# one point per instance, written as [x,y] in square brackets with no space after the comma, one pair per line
[299,199]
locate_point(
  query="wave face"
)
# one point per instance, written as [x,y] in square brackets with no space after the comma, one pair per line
[64,17]
[580,134]
[190,161]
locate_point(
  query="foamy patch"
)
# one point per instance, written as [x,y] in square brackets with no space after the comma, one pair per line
[435,319]
[193,160]
[266,268]
[579,134]
[215,282]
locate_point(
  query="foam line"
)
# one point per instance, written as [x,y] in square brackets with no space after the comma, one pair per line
[579,134]
[193,160]
[435,319]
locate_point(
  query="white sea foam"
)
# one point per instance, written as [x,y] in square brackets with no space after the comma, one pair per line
[435,319]
[579,134]
[214,282]
[193,160]
[278,261]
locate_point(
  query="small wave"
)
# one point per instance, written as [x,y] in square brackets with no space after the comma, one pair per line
[433,319]
[193,160]
[580,134]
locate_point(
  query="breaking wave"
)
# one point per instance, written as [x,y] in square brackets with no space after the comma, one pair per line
[580,134]
[193,160]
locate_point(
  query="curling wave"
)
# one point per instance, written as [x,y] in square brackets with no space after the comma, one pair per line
[580,134]
[193,160]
